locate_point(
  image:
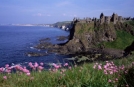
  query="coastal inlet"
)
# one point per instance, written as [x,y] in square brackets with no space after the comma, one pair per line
[17,42]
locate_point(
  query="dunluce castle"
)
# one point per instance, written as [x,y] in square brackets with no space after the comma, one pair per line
[103,19]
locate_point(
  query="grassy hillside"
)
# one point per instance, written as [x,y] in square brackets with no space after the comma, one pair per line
[123,36]
[65,23]
[123,40]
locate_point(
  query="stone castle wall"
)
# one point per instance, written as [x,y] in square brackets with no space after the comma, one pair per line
[103,19]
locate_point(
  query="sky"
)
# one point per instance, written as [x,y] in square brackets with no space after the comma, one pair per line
[51,11]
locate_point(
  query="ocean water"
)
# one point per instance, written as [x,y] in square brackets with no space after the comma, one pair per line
[16,41]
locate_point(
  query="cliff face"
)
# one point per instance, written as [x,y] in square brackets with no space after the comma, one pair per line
[85,36]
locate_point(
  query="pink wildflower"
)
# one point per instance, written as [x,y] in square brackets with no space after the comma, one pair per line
[105,72]
[96,63]
[40,68]
[126,71]
[30,64]
[8,71]
[28,74]
[66,64]
[7,65]
[5,77]
[35,64]
[109,80]
[116,79]
[54,70]
[18,67]
[25,70]
[70,67]
[75,65]
[107,61]
[56,66]
[41,64]
[105,66]
[111,72]
[127,85]
[94,66]
[99,67]
[50,69]
[63,70]
[1,69]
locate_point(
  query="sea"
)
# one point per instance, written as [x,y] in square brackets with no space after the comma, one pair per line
[17,41]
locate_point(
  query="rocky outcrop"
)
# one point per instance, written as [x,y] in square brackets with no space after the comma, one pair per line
[85,36]
[62,38]
[129,49]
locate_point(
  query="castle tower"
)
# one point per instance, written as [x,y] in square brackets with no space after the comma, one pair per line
[107,19]
[120,19]
[114,18]
[102,18]
[88,20]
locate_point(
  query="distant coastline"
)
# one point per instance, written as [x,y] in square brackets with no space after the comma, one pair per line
[46,25]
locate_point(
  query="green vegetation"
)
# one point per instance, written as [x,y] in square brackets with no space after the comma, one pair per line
[123,40]
[83,28]
[130,22]
[100,74]
[66,23]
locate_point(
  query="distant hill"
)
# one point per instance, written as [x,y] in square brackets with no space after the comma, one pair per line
[64,23]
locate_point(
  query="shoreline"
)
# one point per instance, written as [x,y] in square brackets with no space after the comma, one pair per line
[93,54]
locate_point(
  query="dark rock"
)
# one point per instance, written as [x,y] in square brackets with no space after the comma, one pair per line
[62,38]
[34,54]
[44,40]
[44,45]
[129,49]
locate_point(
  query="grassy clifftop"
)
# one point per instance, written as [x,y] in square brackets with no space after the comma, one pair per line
[111,35]
[123,40]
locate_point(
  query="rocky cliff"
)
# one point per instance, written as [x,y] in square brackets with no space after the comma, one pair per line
[88,36]
[85,36]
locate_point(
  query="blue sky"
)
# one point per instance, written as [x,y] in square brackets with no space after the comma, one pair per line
[51,11]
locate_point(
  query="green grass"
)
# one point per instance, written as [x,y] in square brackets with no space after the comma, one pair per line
[80,76]
[130,22]
[123,40]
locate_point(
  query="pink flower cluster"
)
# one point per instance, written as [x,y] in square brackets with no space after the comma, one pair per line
[6,69]
[109,67]
[21,69]
[59,66]
[34,66]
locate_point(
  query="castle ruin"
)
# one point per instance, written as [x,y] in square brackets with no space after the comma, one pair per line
[103,19]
